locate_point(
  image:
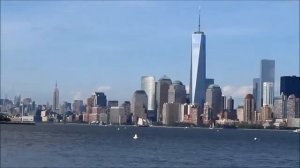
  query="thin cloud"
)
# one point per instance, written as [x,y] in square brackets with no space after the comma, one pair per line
[103,88]
[238,92]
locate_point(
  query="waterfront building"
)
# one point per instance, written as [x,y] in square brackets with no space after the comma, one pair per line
[177,93]
[291,106]
[66,106]
[198,68]
[277,108]
[171,112]
[214,100]
[117,115]
[191,115]
[266,113]
[207,114]
[240,113]
[290,85]
[256,93]
[100,99]
[268,93]
[249,115]
[162,88]
[139,105]
[231,113]
[267,74]
[148,85]
[55,106]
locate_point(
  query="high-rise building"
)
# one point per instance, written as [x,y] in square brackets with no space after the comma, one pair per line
[256,93]
[214,99]
[171,112]
[268,94]
[177,93]
[117,115]
[162,89]
[139,105]
[55,106]
[290,85]
[148,85]
[100,99]
[267,74]
[198,68]
[223,103]
[249,114]
[277,107]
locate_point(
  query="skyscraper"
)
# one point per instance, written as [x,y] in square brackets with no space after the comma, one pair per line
[249,115]
[268,94]
[148,85]
[267,74]
[177,93]
[214,99]
[198,68]
[290,85]
[139,105]
[256,93]
[100,99]
[55,106]
[162,89]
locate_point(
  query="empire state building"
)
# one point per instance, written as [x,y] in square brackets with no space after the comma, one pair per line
[55,106]
[198,68]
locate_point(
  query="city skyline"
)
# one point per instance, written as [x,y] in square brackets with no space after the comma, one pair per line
[82,46]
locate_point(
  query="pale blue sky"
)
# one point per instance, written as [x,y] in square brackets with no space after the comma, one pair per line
[108,46]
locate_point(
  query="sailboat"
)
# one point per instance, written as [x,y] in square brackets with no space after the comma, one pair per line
[142,122]
[212,126]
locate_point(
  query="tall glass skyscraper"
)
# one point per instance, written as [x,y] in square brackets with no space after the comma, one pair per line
[198,68]
[267,74]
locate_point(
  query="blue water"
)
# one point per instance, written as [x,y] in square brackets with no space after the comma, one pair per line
[70,145]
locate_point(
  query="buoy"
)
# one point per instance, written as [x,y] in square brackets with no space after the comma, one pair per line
[254,138]
[135,136]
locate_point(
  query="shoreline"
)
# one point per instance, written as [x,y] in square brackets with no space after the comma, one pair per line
[159,126]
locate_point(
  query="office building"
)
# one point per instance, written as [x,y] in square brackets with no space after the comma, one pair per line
[240,113]
[290,85]
[198,68]
[148,85]
[171,112]
[177,93]
[268,93]
[214,99]
[266,113]
[267,74]
[78,106]
[256,93]
[162,93]
[249,114]
[117,115]
[100,99]
[277,108]
[139,105]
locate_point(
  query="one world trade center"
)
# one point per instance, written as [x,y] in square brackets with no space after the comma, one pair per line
[198,68]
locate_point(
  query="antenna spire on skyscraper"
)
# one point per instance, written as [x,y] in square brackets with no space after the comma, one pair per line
[56,84]
[199,10]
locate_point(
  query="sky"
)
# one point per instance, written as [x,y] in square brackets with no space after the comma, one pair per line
[107,46]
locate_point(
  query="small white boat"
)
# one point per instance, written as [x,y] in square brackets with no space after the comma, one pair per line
[212,126]
[135,136]
[297,130]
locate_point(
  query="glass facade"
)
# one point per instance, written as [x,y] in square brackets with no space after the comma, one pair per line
[198,69]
